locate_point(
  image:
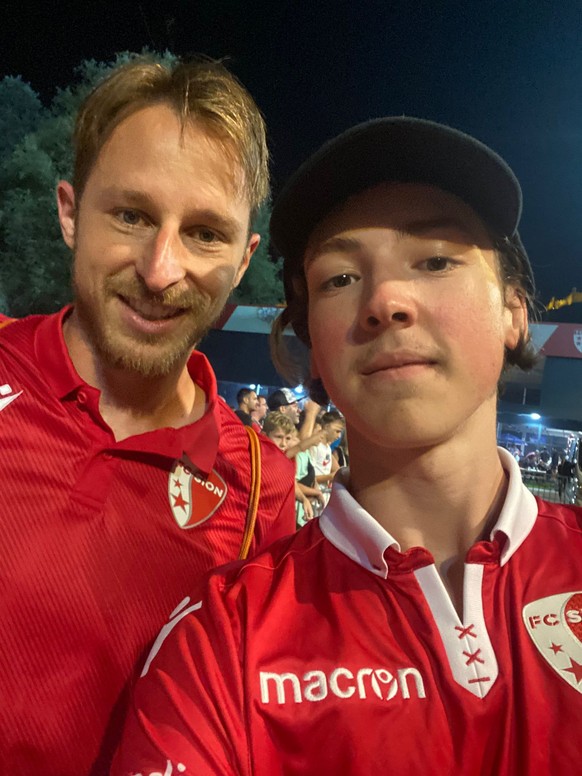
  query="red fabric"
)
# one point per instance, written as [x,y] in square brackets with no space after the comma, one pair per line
[364,681]
[93,557]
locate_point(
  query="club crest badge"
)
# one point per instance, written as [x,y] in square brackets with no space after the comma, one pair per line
[194,498]
[578,340]
[555,627]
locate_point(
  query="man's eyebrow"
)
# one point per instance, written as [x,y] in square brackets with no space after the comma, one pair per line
[143,199]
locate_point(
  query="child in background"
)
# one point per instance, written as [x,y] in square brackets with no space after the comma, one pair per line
[324,463]
[281,430]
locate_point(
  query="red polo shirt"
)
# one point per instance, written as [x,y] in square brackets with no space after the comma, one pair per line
[100,541]
[335,653]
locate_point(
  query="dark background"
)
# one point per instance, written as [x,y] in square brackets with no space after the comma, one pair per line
[508,72]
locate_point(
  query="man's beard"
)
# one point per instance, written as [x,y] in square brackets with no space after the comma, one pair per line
[145,354]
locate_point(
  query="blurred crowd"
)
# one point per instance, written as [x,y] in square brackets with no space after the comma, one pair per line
[311,435]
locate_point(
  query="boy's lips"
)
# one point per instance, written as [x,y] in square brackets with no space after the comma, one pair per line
[396,360]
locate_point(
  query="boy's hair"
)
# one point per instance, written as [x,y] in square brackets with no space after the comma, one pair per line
[333,416]
[200,90]
[278,421]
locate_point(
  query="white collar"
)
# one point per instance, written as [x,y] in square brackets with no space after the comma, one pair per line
[358,535]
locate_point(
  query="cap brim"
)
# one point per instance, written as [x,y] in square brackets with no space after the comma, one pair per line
[397,149]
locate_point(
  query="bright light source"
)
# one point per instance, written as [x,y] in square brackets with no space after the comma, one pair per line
[252,386]
[299,390]
[535,416]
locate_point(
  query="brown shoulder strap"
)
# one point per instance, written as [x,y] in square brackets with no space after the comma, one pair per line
[255,491]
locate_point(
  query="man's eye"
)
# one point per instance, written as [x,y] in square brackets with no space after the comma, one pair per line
[130,217]
[206,235]
[438,263]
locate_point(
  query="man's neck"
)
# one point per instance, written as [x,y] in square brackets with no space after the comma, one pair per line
[131,403]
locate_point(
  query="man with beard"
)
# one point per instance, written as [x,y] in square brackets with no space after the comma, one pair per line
[124,477]
[247,402]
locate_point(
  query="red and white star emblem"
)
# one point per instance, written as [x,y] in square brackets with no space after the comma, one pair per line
[194,497]
[555,627]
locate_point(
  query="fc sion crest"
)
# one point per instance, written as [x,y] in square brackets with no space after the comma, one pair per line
[555,627]
[578,340]
[193,497]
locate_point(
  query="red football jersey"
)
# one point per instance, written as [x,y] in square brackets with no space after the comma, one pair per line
[100,540]
[334,653]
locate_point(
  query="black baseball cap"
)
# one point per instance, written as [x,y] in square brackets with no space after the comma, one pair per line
[399,149]
[282,397]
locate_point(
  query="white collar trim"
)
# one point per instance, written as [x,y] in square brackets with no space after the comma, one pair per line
[358,535]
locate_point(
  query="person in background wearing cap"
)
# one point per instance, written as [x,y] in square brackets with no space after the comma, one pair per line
[284,400]
[124,477]
[429,621]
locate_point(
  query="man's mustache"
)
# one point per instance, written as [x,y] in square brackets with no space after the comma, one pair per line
[136,290]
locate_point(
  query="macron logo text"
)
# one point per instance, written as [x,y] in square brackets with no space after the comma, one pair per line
[316,685]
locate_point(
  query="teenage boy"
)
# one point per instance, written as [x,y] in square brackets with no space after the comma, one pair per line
[124,477]
[429,621]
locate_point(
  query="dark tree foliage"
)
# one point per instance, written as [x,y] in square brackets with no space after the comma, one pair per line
[35,153]
[261,284]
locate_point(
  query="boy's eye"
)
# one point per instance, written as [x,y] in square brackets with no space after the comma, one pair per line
[339,281]
[438,263]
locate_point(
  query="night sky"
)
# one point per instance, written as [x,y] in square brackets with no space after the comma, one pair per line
[507,72]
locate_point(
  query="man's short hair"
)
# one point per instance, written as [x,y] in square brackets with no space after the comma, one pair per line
[242,394]
[278,421]
[199,90]
[399,150]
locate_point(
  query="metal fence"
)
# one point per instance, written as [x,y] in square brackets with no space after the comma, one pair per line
[551,487]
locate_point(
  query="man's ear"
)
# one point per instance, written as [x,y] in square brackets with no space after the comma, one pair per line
[252,246]
[516,323]
[67,212]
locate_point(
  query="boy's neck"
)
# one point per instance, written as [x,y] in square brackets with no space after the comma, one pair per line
[443,498]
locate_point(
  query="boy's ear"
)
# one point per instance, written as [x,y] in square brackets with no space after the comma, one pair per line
[516,323]
[313,368]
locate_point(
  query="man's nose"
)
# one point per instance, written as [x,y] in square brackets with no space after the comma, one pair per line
[162,262]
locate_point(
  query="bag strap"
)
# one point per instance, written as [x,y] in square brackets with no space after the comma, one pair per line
[6,322]
[255,491]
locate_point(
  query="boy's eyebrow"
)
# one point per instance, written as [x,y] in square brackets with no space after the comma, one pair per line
[415,228]
[426,225]
[336,244]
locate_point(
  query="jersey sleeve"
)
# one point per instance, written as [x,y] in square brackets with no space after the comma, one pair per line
[187,715]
